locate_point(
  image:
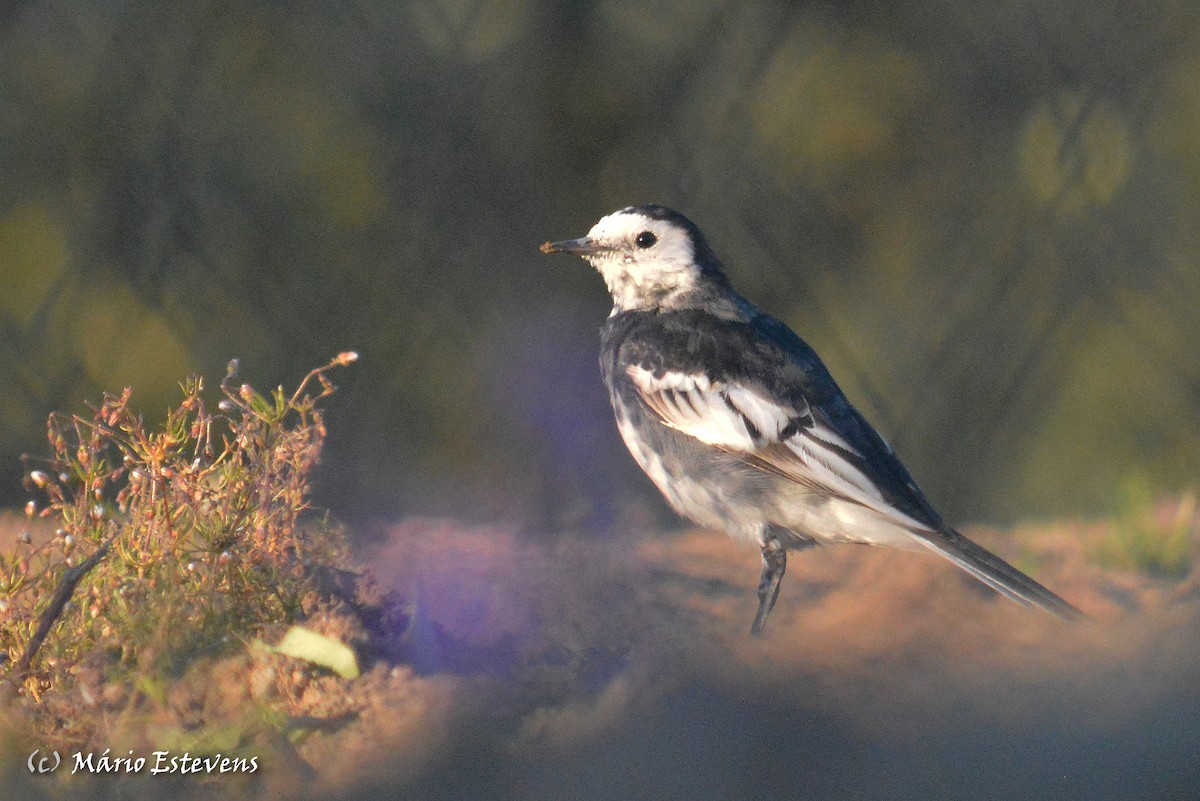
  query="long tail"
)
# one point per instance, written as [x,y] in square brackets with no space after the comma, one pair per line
[995,572]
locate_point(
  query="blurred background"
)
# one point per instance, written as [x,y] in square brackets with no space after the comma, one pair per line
[983,216]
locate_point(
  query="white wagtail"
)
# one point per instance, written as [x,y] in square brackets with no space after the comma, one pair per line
[739,424]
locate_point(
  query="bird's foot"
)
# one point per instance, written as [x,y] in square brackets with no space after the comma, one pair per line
[774,557]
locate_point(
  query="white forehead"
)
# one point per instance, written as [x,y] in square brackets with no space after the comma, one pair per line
[626,224]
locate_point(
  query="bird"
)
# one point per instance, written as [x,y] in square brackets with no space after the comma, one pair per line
[738,422]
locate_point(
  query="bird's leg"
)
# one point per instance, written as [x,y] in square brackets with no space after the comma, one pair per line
[774,557]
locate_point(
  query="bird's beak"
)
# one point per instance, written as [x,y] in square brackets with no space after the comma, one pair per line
[580,247]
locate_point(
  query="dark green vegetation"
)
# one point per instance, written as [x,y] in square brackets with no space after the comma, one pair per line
[981,215]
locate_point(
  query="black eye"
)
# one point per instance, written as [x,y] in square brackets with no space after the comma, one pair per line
[645,239]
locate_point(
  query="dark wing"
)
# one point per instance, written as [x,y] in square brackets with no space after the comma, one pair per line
[790,439]
[756,390]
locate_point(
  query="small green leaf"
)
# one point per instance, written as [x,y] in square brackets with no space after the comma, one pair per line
[154,688]
[280,402]
[302,643]
[261,406]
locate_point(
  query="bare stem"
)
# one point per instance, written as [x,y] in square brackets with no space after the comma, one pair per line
[62,593]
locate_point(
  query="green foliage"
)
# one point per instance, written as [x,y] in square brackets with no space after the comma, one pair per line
[1139,539]
[193,533]
[314,647]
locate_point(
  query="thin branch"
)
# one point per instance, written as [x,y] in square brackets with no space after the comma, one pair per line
[62,594]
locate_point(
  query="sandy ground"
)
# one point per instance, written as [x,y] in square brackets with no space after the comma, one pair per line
[622,667]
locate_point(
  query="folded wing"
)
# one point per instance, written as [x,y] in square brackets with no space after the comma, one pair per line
[792,439]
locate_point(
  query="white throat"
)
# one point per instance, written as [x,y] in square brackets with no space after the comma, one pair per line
[635,286]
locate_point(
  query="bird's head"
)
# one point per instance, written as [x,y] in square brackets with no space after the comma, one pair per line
[651,257]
